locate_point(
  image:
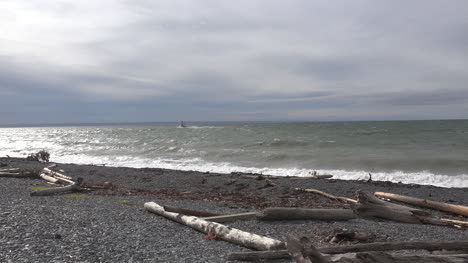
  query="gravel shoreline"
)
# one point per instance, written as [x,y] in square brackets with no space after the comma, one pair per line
[98,227]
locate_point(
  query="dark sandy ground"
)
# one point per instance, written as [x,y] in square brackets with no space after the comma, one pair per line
[101,226]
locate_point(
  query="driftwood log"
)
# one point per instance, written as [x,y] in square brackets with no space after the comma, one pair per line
[232,217]
[370,206]
[188,212]
[455,209]
[57,190]
[49,179]
[18,174]
[293,213]
[378,246]
[334,197]
[219,231]
[57,174]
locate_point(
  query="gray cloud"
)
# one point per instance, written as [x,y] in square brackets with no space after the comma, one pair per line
[295,60]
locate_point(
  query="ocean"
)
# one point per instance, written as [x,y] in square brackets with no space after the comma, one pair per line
[420,152]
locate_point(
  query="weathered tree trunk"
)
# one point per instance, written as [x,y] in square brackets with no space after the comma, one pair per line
[232,217]
[378,246]
[371,206]
[455,209]
[334,197]
[292,213]
[188,212]
[220,231]
[57,190]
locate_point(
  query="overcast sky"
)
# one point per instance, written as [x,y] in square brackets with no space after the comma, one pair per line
[75,61]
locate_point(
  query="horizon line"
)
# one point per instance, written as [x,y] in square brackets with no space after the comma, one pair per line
[70,124]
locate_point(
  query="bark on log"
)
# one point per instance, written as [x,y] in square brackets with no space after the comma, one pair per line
[371,206]
[220,231]
[334,197]
[188,212]
[57,190]
[232,217]
[455,209]
[18,174]
[378,246]
[10,170]
[292,213]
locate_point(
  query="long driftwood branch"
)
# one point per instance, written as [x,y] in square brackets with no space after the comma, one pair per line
[334,197]
[231,217]
[378,246]
[371,206]
[219,231]
[188,212]
[455,209]
[293,213]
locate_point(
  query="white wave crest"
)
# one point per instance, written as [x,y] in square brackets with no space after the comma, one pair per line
[197,164]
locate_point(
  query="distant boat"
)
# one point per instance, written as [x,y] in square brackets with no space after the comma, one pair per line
[182,125]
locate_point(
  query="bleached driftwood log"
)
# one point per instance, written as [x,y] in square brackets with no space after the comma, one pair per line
[293,213]
[378,246]
[334,197]
[49,179]
[455,209]
[220,231]
[56,174]
[370,206]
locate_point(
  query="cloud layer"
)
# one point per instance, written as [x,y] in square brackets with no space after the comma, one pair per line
[119,61]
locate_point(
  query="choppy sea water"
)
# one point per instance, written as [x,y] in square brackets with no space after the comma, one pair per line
[421,152]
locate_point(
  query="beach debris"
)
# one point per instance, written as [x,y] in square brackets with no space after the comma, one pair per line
[370,178]
[315,175]
[74,187]
[334,197]
[222,232]
[268,183]
[189,212]
[370,206]
[41,156]
[232,217]
[356,248]
[342,235]
[455,209]
[20,173]
[302,250]
[295,213]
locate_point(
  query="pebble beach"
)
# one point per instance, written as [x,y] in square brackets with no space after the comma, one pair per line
[111,225]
